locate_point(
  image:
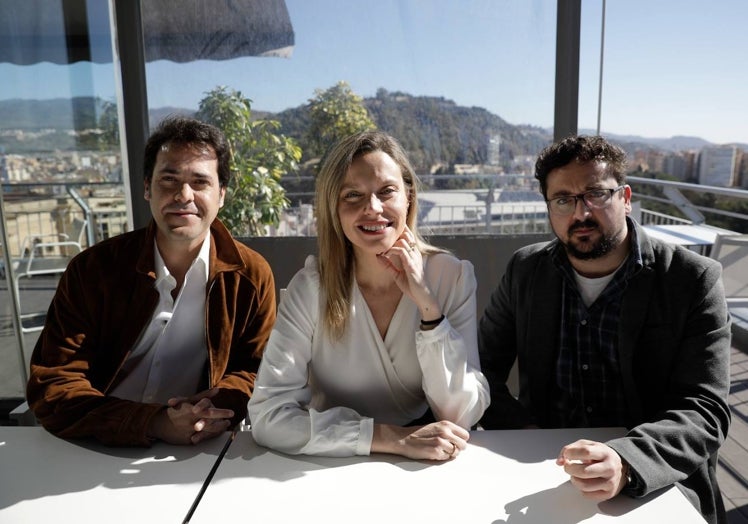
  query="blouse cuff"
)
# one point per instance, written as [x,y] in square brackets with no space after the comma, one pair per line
[429,335]
[365,436]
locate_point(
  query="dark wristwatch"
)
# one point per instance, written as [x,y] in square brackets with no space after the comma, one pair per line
[631,480]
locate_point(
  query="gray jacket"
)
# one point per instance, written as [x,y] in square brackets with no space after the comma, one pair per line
[674,353]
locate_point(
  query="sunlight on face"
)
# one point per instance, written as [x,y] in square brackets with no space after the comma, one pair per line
[184,193]
[588,233]
[373,203]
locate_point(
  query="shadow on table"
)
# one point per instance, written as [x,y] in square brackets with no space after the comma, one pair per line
[246,458]
[565,505]
[557,505]
[47,470]
[532,446]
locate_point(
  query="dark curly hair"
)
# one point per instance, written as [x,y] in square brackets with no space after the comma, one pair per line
[190,132]
[582,149]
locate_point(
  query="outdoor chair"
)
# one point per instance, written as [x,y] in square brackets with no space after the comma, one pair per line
[732,252]
[45,255]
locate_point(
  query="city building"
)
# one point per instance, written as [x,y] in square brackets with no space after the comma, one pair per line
[718,166]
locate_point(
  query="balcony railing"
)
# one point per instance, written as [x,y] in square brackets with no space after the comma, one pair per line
[44,210]
[512,204]
[671,194]
[503,205]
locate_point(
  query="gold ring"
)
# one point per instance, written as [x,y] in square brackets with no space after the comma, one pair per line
[454,448]
[411,246]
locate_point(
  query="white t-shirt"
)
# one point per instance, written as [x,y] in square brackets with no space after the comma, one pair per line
[590,288]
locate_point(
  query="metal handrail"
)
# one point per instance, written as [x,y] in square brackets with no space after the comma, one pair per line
[741,194]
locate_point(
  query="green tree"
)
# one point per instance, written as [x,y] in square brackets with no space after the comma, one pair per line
[260,156]
[109,126]
[335,113]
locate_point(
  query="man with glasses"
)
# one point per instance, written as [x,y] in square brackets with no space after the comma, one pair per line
[612,328]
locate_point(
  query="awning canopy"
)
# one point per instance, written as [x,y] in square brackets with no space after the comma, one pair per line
[67,31]
[185,30]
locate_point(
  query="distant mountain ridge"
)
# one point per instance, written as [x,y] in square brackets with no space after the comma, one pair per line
[56,113]
[674,143]
[434,130]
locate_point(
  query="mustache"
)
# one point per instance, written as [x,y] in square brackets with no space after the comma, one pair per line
[180,209]
[586,224]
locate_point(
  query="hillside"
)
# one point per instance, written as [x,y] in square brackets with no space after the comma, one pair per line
[59,114]
[674,143]
[436,132]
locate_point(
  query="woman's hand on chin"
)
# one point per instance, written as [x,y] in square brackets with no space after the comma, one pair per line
[405,261]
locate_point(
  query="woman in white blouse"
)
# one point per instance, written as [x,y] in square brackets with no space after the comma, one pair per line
[379,332]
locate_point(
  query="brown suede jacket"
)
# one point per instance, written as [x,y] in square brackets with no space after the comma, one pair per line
[104,300]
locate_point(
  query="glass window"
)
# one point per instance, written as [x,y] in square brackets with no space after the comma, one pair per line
[59,157]
[673,96]
[671,77]
[466,86]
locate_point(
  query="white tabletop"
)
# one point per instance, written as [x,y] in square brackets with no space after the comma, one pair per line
[502,477]
[47,479]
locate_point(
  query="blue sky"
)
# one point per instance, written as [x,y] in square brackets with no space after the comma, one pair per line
[671,68]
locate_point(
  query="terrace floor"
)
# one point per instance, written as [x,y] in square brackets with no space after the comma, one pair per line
[733,462]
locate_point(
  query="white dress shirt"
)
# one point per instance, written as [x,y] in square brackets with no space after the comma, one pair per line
[320,396]
[169,357]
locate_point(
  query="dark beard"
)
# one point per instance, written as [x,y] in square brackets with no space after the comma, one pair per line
[603,246]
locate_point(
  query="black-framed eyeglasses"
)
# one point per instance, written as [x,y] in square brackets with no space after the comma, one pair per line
[593,199]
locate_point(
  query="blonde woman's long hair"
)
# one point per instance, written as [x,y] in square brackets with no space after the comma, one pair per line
[335,253]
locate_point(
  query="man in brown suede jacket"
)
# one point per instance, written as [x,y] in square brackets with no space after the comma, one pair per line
[157,334]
